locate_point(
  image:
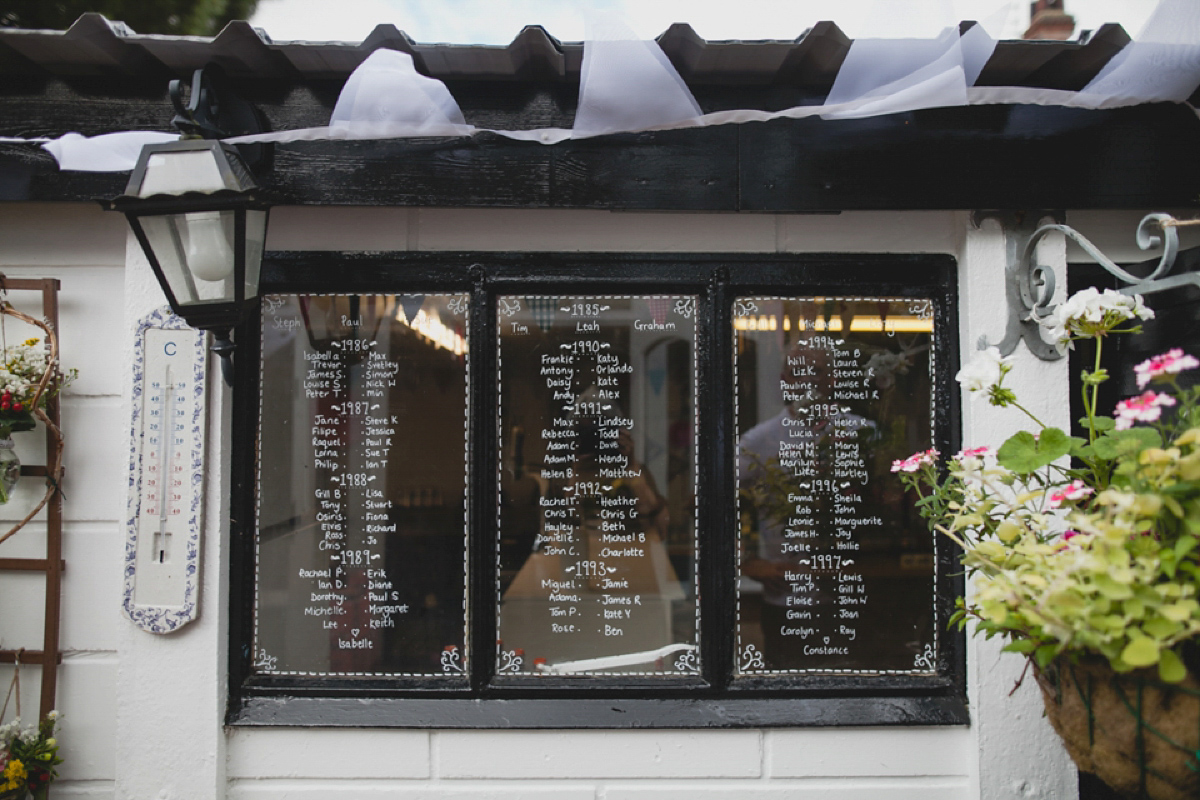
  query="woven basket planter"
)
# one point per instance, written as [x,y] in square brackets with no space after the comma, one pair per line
[1136,733]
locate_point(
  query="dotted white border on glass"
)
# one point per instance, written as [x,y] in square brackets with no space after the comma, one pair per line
[451,666]
[162,619]
[686,310]
[748,656]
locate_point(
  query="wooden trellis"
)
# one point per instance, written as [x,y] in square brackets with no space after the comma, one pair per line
[49,656]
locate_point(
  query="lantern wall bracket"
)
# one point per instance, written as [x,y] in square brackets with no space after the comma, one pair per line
[207,108]
[223,346]
[1029,286]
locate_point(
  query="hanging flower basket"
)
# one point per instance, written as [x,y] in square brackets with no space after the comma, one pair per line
[1134,732]
[1085,552]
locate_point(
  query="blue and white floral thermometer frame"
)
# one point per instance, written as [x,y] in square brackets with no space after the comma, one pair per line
[166,478]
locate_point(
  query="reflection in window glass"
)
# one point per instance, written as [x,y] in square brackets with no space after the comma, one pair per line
[836,568]
[362,485]
[597,485]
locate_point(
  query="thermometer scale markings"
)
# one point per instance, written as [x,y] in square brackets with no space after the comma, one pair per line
[166,405]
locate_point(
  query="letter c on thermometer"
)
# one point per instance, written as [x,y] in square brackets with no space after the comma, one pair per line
[169,348]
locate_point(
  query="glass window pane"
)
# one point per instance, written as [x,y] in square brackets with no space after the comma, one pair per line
[836,568]
[362,486]
[597,485]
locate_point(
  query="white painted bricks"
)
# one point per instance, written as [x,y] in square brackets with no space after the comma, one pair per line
[598,754]
[152,719]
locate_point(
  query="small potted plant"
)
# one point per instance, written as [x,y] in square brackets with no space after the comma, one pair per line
[1085,553]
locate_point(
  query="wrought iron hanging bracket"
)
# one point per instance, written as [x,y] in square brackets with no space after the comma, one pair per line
[1154,231]
[207,107]
[1029,286]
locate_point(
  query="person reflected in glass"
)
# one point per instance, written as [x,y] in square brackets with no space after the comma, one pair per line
[781,463]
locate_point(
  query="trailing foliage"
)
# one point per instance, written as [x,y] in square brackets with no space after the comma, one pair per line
[1080,546]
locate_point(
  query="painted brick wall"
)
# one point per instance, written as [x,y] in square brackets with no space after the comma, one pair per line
[143,713]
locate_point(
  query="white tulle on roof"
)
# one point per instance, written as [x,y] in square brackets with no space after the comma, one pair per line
[628,85]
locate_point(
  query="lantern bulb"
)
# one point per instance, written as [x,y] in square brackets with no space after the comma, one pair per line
[209,250]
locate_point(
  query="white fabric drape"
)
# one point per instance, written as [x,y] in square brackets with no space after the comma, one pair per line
[387,97]
[887,76]
[1161,64]
[109,152]
[629,85]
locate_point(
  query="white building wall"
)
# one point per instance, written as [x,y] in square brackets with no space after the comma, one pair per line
[144,712]
[85,249]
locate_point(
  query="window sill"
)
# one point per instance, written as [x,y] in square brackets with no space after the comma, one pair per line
[763,712]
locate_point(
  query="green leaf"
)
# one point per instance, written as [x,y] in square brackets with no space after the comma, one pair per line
[1140,652]
[1111,588]
[1019,453]
[1020,646]
[1106,447]
[1172,505]
[1084,451]
[1134,440]
[1185,544]
[1044,655]
[1052,445]
[1102,423]
[1024,454]
[1160,627]
[1170,667]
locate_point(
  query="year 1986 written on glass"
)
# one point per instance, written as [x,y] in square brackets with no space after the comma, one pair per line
[362,538]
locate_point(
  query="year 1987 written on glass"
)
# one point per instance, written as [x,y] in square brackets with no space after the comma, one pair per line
[362,486]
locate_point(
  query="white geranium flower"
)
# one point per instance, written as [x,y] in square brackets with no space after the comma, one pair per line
[983,371]
[1090,313]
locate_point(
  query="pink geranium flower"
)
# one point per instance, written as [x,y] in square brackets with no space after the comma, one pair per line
[973,452]
[1075,490]
[915,461]
[1066,540]
[1146,407]
[1171,362]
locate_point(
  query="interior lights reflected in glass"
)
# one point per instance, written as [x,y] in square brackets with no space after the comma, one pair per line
[430,326]
[859,324]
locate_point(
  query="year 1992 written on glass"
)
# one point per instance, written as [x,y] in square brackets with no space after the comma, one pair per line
[597,485]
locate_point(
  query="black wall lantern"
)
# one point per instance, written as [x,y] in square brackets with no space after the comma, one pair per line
[200,218]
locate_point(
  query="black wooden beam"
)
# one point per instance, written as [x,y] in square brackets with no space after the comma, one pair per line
[971,157]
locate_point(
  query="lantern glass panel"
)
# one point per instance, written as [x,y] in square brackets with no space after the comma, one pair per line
[196,253]
[256,236]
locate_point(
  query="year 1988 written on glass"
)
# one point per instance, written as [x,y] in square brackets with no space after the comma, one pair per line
[362,486]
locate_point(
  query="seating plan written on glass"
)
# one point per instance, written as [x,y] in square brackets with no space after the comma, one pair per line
[837,571]
[596,545]
[362,537]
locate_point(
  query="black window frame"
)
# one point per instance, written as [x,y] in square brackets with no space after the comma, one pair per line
[712,700]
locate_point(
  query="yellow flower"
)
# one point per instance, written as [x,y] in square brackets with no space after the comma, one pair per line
[14,775]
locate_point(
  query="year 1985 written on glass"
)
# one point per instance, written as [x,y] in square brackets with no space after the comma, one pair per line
[596,546]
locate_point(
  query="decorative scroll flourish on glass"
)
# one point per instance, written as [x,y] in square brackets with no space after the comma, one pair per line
[596,547]
[836,570]
[362,536]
